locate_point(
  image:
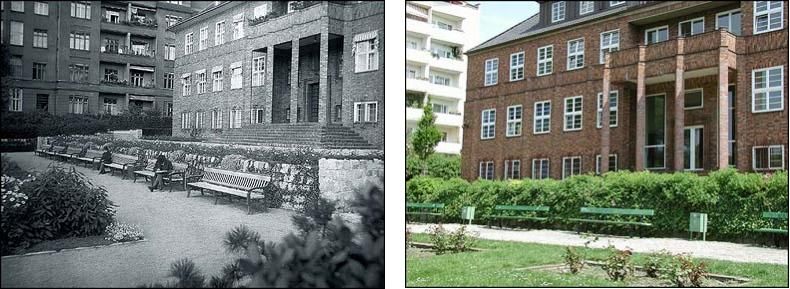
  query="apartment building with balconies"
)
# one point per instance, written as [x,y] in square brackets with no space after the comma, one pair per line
[437,35]
[689,85]
[92,57]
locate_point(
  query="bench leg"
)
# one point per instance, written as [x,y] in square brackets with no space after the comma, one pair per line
[216,197]
[134,180]
[189,190]
[249,211]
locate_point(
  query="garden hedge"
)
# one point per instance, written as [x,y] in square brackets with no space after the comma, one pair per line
[438,165]
[733,201]
[34,124]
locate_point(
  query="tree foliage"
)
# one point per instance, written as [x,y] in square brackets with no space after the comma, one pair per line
[427,135]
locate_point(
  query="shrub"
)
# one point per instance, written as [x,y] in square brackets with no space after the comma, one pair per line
[657,264]
[438,236]
[452,242]
[683,272]
[618,264]
[573,259]
[315,216]
[438,165]
[120,232]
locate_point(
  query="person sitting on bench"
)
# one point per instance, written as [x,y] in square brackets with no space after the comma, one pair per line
[161,167]
[106,158]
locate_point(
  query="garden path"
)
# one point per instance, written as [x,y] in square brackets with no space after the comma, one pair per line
[174,226]
[699,249]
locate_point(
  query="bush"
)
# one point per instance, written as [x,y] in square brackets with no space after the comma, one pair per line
[33,124]
[658,264]
[454,242]
[573,259]
[683,272]
[618,264]
[439,165]
[120,232]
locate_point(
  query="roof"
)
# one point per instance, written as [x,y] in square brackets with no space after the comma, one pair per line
[509,35]
[208,9]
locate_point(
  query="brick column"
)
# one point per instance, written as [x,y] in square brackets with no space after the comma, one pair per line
[323,83]
[605,116]
[268,85]
[640,111]
[677,132]
[294,79]
[722,106]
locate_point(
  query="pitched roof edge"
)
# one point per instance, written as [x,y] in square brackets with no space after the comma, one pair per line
[481,45]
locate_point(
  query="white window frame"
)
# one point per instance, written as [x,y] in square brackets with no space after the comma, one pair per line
[18,6]
[238,26]
[517,66]
[574,113]
[78,104]
[236,79]
[577,54]
[203,43]
[598,163]
[219,33]
[484,124]
[169,78]
[590,5]
[557,11]
[612,109]
[235,118]
[185,117]
[545,61]
[693,165]
[615,3]
[80,40]
[368,50]
[768,12]
[514,121]
[20,35]
[86,9]
[41,8]
[37,39]
[491,70]
[702,98]
[170,52]
[609,47]
[216,119]
[186,85]
[15,99]
[540,168]
[189,43]
[729,24]
[767,90]
[564,175]
[680,24]
[217,82]
[198,119]
[366,117]
[489,168]
[258,70]
[201,81]
[536,117]
[511,166]
[769,147]
[656,29]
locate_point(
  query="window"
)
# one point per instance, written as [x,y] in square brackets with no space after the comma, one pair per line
[42,102]
[168,109]
[235,118]
[440,79]
[16,65]
[442,51]
[691,27]
[292,6]
[110,74]
[654,136]
[188,48]
[17,33]
[201,81]
[198,119]
[573,113]
[260,11]
[366,51]
[185,116]
[79,72]
[557,11]
[219,33]
[731,129]
[767,16]
[216,119]
[169,79]
[137,78]
[488,124]
[112,16]
[238,26]
[170,52]
[81,9]
[730,20]
[486,171]
[542,119]
[366,111]
[513,121]
[256,115]
[615,3]
[18,6]
[768,157]
[39,38]
[16,100]
[692,148]
[442,24]
[186,84]
[41,8]
[172,20]
[258,65]
[767,89]
[203,38]
[236,75]
[693,99]
[540,168]
[612,163]
[512,169]
[586,7]
[78,104]
[545,60]
[79,41]
[39,70]
[656,35]
[576,54]
[175,2]
[491,67]
[217,77]
[110,106]
[612,109]
[571,166]
[610,42]
[439,108]
[517,66]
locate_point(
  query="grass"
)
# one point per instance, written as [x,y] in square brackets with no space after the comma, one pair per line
[496,267]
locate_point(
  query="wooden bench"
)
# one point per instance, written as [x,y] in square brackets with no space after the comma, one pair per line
[91,157]
[509,212]
[603,213]
[425,209]
[121,162]
[777,227]
[71,153]
[55,151]
[177,175]
[230,183]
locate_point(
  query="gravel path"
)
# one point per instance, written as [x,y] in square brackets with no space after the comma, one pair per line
[174,225]
[708,249]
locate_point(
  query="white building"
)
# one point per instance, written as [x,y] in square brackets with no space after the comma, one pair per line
[437,35]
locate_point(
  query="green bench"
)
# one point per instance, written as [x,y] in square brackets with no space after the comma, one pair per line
[512,212]
[634,217]
[778,225]
[425,209]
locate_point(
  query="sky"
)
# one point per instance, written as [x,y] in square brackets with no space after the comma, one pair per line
[498,16]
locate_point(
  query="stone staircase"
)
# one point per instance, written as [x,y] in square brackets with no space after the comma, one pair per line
[313,135]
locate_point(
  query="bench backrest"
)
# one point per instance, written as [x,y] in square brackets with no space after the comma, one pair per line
[123,159]
[177,167]
[93,153]
[425,205]
[58,148]
[233,179]
[617,211]
[775,215]
[73,150]
[521,208]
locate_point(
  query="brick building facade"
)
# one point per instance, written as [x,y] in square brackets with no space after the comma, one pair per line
[263,64]
[91,57]
[727,59]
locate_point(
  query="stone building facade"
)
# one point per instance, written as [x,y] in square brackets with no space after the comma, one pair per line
[694,86]
[259,65]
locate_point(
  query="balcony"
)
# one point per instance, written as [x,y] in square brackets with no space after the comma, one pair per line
[276,13]
[419,84]
[122,54]
[115,81]
[448,148]
[137,26]
[420,27]
[419,55]
[452,64]
[452,36]
[413,113]
[444,90]
[449,119]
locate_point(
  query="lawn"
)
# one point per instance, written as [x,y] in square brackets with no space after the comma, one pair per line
[496,266]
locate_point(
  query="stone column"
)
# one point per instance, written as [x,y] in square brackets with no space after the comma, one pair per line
[722,105]
[323,81]
[605,116]
[294,79]
[640,111]
[680,96]
[268,84]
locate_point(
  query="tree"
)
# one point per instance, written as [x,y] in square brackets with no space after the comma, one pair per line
[426,136]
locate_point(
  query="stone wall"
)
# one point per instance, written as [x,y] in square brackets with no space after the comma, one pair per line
[340,180]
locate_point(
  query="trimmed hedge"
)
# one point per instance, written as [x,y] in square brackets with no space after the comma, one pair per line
[34,124]
[439,165]
[733,201]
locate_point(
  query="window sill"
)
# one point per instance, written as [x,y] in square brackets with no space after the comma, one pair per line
[539,133]
[572,69]
[512,136]
[539,75]
[514,80]
[769,30]
[571,130]
[769,110]
[365,71]
[692,108]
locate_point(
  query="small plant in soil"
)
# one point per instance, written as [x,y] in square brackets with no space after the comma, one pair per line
[658,264]
[618,265]
[683,272]
[454,242]
[408,237]
[573,259]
